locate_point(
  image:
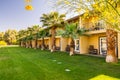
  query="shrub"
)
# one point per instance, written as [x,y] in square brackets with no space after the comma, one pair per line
[3,43]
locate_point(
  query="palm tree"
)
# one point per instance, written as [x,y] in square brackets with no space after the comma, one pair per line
[35,29]
[28,40]
[21,34]
[53,20]
[111,46]
[32,34]
[29,35]
[1,36]
[42,34]
[72,31]
[10,36]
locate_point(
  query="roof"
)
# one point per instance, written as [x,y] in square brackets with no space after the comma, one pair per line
[75,17]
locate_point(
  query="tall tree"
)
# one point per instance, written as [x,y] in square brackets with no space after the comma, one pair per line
[10,36]
[42,34]
[31,31]
[1,36]
[53,20]
[107,10]
[72,31]
[21,33]
[21,36]
[35,30]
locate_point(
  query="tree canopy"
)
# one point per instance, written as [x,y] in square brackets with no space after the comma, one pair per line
[107,10]
[10,36]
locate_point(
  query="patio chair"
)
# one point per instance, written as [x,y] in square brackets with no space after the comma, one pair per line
[67,48]
[57,48]
[92,50]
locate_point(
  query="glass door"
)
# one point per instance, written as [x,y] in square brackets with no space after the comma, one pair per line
[103,45]
[77,44]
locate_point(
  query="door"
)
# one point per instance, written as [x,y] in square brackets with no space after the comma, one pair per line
[77,45]
[103,46]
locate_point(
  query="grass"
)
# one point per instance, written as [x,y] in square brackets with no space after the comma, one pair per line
[18,63]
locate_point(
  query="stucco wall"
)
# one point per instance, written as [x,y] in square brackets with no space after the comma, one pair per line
[83,44]
[89,22]
[50,43]
[64,43]
[94,40]
[22,44]
[33,43]
[38,43]
[57,42]
[46,41]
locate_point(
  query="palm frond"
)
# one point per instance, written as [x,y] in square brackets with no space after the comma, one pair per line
[53,19]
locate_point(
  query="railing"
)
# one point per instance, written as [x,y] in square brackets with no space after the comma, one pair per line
[100,25]
[95,28]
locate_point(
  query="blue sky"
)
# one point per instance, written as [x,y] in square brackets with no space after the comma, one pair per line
[14,16]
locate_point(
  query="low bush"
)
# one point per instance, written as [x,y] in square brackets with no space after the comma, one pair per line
[3,43]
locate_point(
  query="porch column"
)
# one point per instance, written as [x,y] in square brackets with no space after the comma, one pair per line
[83,45]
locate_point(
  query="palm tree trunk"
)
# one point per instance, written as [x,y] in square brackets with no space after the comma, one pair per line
[36,43]
[30,43]
[111,46]
[72,47]
[20,44]
[25,44]
[53,39]
[43,44]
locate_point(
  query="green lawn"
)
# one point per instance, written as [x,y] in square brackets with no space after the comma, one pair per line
[18,63]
